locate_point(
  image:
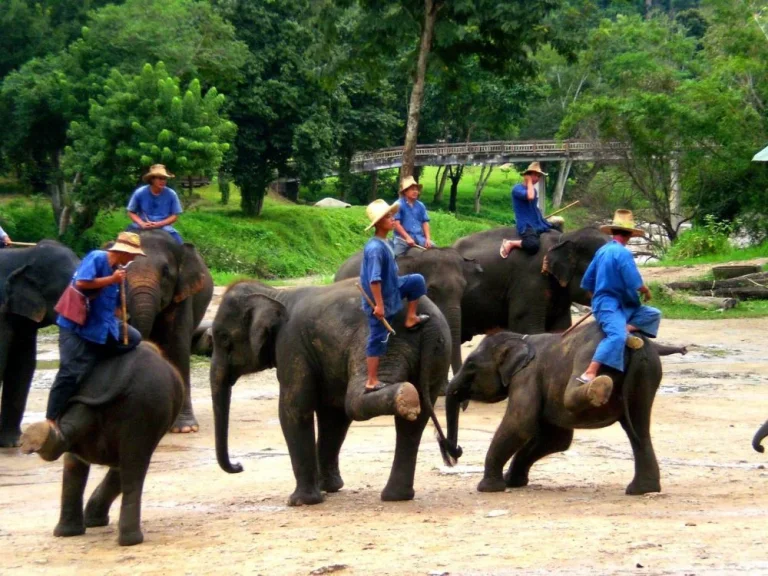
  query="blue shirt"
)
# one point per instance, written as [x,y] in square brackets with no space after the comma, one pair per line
[613,278]
[379,266]
[2,233]
[527,212]
[101,320]
[412,219]
[151,208]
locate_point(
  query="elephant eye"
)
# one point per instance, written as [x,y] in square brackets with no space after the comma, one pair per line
[166,271]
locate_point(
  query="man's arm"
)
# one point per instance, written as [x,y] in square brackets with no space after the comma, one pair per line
[98,283]
[425,229]
[165,222]
[137,220]
[378,299]
[530,190]
[402,233]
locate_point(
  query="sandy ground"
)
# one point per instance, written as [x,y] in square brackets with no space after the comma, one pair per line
[711,518]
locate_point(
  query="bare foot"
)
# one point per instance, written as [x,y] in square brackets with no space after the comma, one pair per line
[635,342]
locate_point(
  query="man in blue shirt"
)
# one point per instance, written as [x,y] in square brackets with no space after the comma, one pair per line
[155,205]
[528,219]
[99,276]
[380,281]
[411,220]
[615,284]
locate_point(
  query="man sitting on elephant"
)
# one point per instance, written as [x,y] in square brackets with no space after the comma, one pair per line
[155,205]
[82,346]
[614,282]
[411,219]
[528,219]
[382,285]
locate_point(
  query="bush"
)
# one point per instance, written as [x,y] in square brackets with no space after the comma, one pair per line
[707,239]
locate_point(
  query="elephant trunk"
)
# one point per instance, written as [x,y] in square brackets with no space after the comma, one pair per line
[144,306]
[456,395]
[221,394]
[761,433]
[453,316]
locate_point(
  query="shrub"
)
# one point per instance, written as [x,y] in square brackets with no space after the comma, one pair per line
[709,238]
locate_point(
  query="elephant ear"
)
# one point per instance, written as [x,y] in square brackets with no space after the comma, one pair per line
[517,355]
[559,262]
[24,296]
[191,277]
[265,316]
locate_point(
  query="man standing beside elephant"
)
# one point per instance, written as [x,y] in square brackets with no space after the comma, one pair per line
[528,219]
[155,205]
[615,284]
[382,285]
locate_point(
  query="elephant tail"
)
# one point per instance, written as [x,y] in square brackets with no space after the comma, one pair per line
[630,376]
[761,433]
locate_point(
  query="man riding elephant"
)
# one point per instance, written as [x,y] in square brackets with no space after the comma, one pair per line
[155,205]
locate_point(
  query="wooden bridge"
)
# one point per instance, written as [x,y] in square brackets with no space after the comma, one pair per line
[493,153]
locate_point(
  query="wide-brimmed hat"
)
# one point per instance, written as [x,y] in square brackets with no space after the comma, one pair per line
[535,167]
[377,209]
[407,182]
[622,220]
[127,242]
[157,170]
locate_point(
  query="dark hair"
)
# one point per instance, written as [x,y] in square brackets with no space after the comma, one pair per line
[621,232]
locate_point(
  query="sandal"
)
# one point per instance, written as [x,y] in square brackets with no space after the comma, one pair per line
[423,319]
[504,253]
[379,386]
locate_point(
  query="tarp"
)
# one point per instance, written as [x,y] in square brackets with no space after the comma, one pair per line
[761,156]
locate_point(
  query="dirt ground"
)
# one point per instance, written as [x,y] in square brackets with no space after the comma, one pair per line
[711,518]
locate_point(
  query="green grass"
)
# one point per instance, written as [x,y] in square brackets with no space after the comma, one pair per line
[732,255]
[674,310]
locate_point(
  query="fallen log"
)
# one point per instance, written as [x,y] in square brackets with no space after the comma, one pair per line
[750,280]
[709,302]
[739,293]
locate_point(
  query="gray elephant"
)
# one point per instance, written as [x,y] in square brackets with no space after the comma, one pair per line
[315,337]
[526,294]
[761,433]
[31,281]
[447,274]
[168,293]
[533,373]
[123,409]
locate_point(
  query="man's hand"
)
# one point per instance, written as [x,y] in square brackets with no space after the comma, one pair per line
[410,241]
[7,241]
[118,276]
[428,243]
[646,292]
[378,311]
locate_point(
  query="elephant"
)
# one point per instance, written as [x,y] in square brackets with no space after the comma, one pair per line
[761,433]
[526,294]
[168,293]
[122,410]
[31,282]
[448,276]
[316,336]
[533,373]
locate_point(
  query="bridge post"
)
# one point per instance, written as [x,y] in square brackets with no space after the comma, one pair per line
[562,177]
[543,194]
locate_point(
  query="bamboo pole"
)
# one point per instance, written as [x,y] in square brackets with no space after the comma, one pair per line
[23,244]
[561,209]
[125,314]
[580,320]
[372,305]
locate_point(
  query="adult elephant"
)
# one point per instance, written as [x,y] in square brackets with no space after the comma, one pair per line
[761,433]
[316,337]
[448,276]
[168,292]
[533,372]
[526,294]
[31,281]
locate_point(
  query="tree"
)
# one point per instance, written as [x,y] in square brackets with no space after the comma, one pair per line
[139,121]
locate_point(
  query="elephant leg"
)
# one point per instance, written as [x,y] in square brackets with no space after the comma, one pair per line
[647,477]
[133,470]
[97,509]
[516,428]
[332,426]
[174,336]
[400,483]
[74,479]
[16,382]
[549,440]
[297,419]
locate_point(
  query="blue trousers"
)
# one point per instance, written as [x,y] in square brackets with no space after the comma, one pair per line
[412,287]
[133,227]
[613,321]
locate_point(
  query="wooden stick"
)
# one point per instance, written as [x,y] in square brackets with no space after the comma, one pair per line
[580,320]
[23,244]
[561,209]
[372,305]
[125,314]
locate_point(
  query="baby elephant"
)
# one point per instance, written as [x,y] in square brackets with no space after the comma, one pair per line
[533,372]
[125,406]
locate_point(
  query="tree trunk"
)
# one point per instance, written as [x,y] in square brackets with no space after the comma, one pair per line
[251,197]
[757,280]
[455,177]
[562,177]
[648,8]
[739,293]
[480,185]
[543,194]
[675,200]
[438,200]
[437,181]
[417,94]
[374,191]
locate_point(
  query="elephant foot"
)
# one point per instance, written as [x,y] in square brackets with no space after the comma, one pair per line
[491,485]
[96,521]
[397,494]
[640,487]
[67,530]
[185,424]
[407,404]
[130,538]
[515,480]
[306,497]
[42,438]
[331,483]
[599,390]
[10,439]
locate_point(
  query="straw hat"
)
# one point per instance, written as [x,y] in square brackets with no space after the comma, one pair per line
[407,182]
[377,209]
[622,220]
[535,167]
[127,242]
[157,170]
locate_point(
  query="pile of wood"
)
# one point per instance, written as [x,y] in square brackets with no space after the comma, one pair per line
[722,294]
